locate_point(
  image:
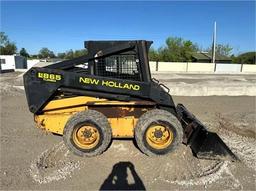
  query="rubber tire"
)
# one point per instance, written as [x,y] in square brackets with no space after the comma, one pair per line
[96,118]
[157,116]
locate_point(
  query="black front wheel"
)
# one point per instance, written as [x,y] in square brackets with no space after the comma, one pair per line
[158,132]
[87,133]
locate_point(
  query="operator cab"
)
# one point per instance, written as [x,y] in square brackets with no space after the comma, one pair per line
[125,64]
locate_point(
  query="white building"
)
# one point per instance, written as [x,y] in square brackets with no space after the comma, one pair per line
[10,63]
[31,63]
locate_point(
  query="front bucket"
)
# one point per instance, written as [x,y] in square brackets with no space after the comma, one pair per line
[204,144]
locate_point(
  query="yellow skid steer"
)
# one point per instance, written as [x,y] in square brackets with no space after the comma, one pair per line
[109,93]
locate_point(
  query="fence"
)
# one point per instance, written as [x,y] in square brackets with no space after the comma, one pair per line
[201,67]
[192,67]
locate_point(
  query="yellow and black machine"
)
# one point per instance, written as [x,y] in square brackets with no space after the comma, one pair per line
[108,94]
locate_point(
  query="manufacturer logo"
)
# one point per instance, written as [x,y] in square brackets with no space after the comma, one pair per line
[109,83]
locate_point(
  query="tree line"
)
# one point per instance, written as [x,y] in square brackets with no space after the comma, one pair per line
[176,49]
[8,47]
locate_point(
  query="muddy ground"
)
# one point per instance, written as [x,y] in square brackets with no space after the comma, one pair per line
[34,160]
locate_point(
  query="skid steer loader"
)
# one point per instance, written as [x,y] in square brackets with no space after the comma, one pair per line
[109,93]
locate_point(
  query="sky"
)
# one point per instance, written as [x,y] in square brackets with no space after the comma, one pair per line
[64,25]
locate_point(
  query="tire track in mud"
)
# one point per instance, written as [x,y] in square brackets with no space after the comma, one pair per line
[243,147]
[239,138]
[53,165]
[217,172]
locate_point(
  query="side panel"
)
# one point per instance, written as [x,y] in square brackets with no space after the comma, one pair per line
[55,123]
[122,116]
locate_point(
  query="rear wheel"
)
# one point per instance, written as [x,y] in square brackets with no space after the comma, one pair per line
[87,133]
[158,132]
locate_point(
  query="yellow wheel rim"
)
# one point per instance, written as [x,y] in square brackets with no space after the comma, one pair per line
[159,136]
[86,137]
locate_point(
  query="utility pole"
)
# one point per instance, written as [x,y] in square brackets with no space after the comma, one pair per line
[214,46]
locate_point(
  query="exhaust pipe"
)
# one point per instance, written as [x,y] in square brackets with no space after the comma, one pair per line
[203,143]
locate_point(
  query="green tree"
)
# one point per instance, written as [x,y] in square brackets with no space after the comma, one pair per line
[34,56]
[61,55]
[246,58]
[222,49]
[234,58]
[6,47]
[153,55]
[46,53]
[79,53]
[165,55]
[177,50]
[187,49]
[3,39]
[23,52]
[174,49]
[69,54]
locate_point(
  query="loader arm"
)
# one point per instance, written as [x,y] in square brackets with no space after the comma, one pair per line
[43,84]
